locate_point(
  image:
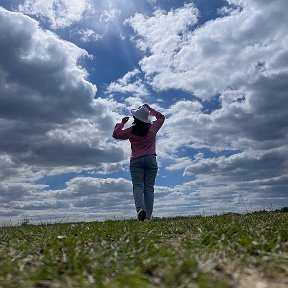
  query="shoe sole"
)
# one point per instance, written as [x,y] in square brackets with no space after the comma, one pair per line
[141,215]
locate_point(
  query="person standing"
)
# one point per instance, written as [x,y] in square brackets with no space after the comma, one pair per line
[143,162]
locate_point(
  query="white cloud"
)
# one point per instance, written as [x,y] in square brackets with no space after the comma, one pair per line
[129,84]
[89,198]
[109,15]
[50,122]
[242,64]
[180,163]
[245,167]
[84,196]
[242,57]
[49,119]
[259,176]
[225,52]
[60,13]
[87,35]
[163,32]
[40,79]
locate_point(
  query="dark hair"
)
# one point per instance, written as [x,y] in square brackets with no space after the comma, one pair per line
[140,128]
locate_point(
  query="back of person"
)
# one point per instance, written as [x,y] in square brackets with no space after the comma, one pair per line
[141,145]
[143,163]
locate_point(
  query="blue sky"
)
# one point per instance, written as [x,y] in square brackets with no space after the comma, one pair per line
[70,70]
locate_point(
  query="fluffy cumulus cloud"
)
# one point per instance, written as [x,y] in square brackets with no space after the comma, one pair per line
[40,75]
[86,198]
[228,137]
[60,13]
[87,20]
[87,35]
[128,84]
[89,198]
[222,52]
[240,59]
[49,118]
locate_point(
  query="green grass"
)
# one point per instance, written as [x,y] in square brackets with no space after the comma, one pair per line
[218,251]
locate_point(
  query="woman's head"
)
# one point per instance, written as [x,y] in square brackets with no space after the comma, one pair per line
[142,114]
[140,128]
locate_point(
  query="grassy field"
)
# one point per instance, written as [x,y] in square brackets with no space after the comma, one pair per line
[219,251]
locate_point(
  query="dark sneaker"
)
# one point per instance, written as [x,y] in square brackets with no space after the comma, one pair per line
[141,215]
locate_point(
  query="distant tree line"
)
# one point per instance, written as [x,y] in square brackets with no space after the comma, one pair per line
[282,210]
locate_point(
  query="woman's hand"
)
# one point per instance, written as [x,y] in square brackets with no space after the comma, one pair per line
[125,120]
[147,106]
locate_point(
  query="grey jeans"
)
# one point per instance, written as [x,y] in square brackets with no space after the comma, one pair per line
[143,173]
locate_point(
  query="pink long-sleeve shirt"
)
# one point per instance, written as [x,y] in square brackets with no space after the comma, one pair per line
[141,145]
